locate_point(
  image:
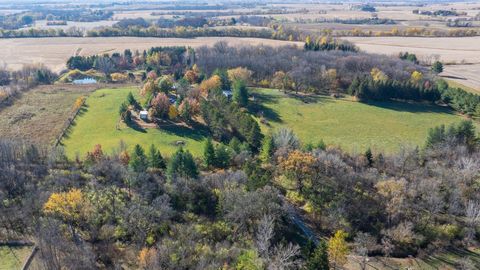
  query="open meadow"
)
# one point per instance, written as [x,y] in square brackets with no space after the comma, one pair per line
[352,125]
[98,125]
[54,52]
[38,115]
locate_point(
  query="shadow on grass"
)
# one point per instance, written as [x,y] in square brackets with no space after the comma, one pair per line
[68,131]
[457,255]
[410,107]
[257,106]
[135,126]
[195,132]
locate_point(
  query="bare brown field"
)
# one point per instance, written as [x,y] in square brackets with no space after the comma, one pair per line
[464,75]
[42,24]
[462,53]
[450,50]
[39,115]
[53,52]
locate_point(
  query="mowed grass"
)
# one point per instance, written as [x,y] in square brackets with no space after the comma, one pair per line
[352,125]
[98,121]
[12,258]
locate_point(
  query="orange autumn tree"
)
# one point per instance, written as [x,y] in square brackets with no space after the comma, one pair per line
[300,167]
[213,83]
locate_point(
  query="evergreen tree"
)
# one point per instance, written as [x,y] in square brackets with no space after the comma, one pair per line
[235,145]
[437,67]
[209,154]
[268,149]
[254,137]
[240,93]
[369,156]
[222,73]
[222,156]
[131,100]
[318,260]
[155,159]
[182,164]
[138,160]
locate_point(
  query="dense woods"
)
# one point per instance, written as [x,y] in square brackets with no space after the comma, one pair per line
[82,212]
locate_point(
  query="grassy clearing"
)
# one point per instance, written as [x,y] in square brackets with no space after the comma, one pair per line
[352,125]
[97,125]
[39,114]
[12,258]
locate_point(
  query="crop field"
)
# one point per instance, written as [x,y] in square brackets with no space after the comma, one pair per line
[39,114]
[54,52]
[462,54]
[450,50]
[352,125]
[97,125]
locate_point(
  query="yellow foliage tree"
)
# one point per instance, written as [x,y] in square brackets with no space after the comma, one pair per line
[67,205]
[299,166]
[172,112]
[338,249]
[378,75]
[416,77]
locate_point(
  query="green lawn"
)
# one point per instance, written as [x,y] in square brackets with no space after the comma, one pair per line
[352,125]
[12,258]
[97,125]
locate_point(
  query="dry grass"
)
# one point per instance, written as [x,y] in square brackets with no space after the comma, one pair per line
[53,52]
[39,115]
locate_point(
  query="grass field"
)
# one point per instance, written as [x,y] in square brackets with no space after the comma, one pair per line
[97,125]
[13,258]
[352,125]
[39,114]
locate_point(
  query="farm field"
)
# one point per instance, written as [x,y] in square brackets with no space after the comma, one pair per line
[352,125]
[450,50]
[461,54]
[97,125]
[54,52]
[13,258]
[39,114]
[466,75]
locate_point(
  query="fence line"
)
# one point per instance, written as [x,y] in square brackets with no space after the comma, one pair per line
[68,123]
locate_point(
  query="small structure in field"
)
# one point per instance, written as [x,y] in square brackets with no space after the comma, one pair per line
[143,115]
[228,94]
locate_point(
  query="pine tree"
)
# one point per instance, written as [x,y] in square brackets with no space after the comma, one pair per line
[155,159]
[437,67]
[138,160]
[318,260]
[369,156]
[240,93]
[222,156]
[209,154]
[268,148]
[182,164]
[131,100]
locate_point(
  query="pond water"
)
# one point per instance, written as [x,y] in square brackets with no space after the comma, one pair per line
[85,81]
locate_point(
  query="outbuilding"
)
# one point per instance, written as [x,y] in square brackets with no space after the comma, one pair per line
[144,115]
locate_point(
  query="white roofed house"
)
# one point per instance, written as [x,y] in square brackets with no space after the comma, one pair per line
[143,115]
